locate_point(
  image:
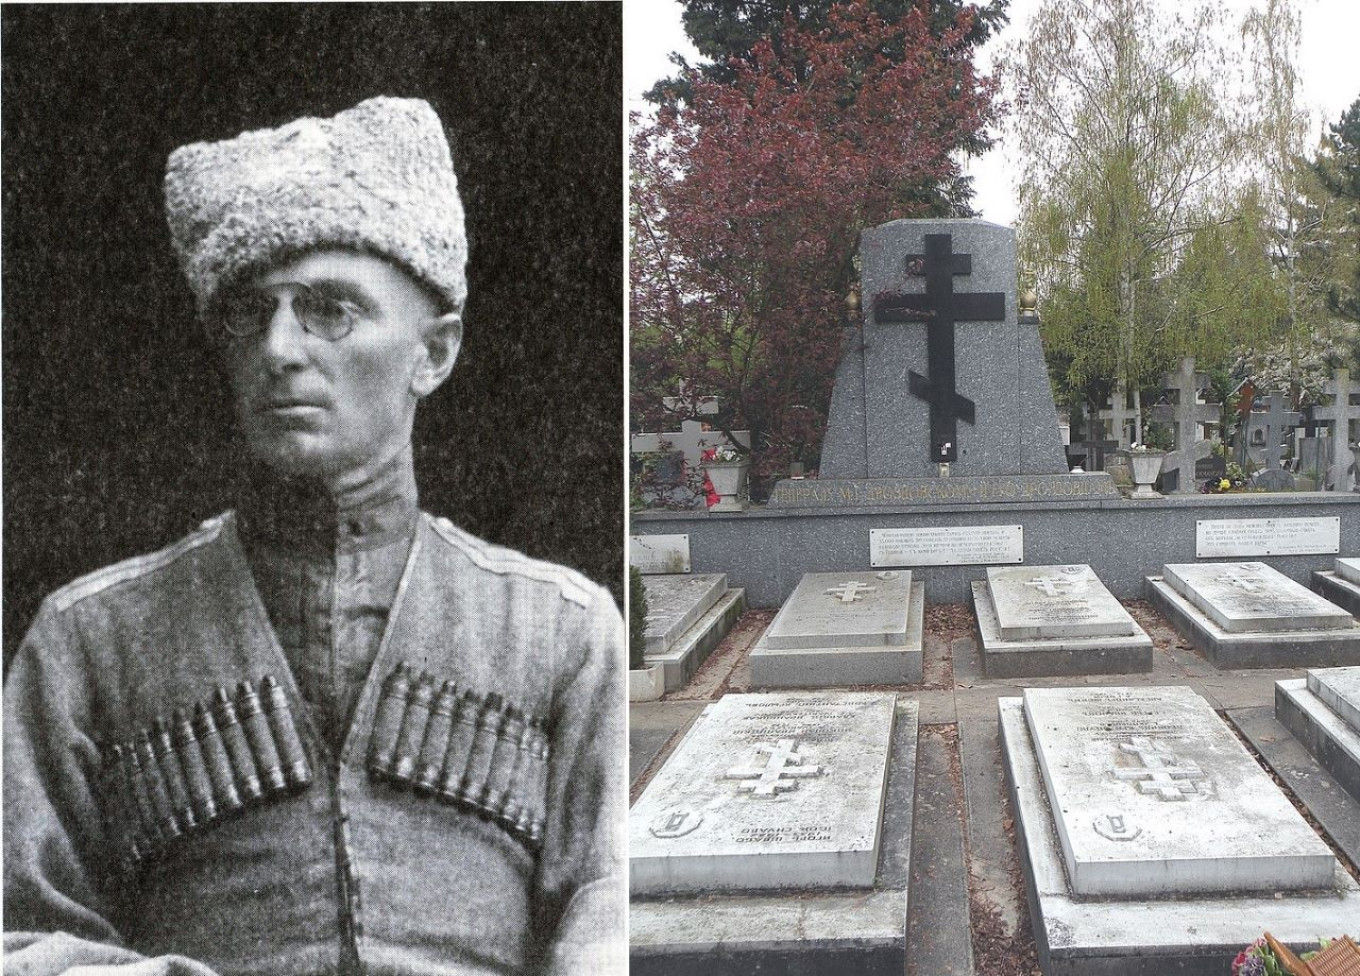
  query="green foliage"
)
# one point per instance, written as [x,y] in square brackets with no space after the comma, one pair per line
[637,619]
[1337,169]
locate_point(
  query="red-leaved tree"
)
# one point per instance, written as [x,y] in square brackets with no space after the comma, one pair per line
[747,204]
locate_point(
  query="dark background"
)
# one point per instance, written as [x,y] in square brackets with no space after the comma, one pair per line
[117,430]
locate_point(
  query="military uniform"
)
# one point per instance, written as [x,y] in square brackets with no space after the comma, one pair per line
[171,790]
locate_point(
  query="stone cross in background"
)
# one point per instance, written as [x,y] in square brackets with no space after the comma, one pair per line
[1341,413]
[1185,415]
[1119,416]
[691,439]
[1278,421]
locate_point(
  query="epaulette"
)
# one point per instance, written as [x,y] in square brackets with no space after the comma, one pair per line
[504,561]
[130,569]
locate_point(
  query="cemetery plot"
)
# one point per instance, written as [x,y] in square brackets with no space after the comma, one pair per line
[777,838]
[844,629]
[1045,620]
[1150,837]
[1247,615]
[1341,585]
[1323,712]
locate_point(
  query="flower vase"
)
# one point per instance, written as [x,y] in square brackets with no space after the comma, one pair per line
[1146,466]
[729,481]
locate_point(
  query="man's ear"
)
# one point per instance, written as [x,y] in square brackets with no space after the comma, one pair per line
[443,338]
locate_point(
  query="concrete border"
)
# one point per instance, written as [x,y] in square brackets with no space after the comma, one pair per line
[1334,744]
[1276,649]
[835,667]
[1128,654]
[1345,594]
[1194,936]
[824,934]
[682,659]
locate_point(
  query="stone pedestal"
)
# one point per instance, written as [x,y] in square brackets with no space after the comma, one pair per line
[1150,839]
[776,839]
[841,629]
[1047,620]
[1248,615]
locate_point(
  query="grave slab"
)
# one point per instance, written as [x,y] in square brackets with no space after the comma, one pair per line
[1125,653]
[1336,646]
[1155,796]
[813,932]
[1251,597]
[682,659]
[1322,711]
[1335,586]
[675,602]
[767,792]
[1079,935]
[1054,601]
[820,639]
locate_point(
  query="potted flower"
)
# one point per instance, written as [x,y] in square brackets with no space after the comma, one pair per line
[726,469]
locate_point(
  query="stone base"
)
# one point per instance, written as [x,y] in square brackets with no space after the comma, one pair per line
[1334,743]
[1338,590]
[829,667]
[692,648]
[812,934]
[1276,649]
[646,684]
[1142,936]
[1041,657]
[675,602]
[869,492]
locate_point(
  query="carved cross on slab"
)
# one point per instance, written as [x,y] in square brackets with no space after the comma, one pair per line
[849,592]
[1249,583]
[940,308]
[1162,774]
[767,780]
[1049,585]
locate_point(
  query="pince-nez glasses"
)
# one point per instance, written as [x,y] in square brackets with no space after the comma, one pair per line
[248,313]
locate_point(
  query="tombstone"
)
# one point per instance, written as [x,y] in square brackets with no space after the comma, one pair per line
[1119,417]
[1249,615]
[1322,710]
[1340,414]
[1186,415]
[844,629]
[1152,841]
[687,616]
[1049,620]
[1340,585]
[1273,479]
[777,835]
[1277,423]
[943,372]
[1214,466]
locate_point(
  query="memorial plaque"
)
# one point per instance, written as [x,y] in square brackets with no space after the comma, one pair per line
[1152,794]
[655,554]
[965,545]
[1267,536]
[1253,597]
[768,791]
[1339,690]
[1349,570]
[1036,602]
[843,610]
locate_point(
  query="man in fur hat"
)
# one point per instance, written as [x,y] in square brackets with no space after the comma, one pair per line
[325,732]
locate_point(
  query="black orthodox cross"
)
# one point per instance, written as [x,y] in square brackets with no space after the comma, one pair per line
[940,308]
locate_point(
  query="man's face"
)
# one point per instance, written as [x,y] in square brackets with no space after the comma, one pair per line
[330,409]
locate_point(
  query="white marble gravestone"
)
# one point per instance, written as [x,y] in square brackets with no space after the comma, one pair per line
[844,629]
[1253,597]
[1349,569]
[1048,620]
[1322,710]
[1339,690]
[1055,601]
[768,791]
[1153,795]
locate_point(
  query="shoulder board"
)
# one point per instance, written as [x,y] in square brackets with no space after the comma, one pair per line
[502,560]
[130,569]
